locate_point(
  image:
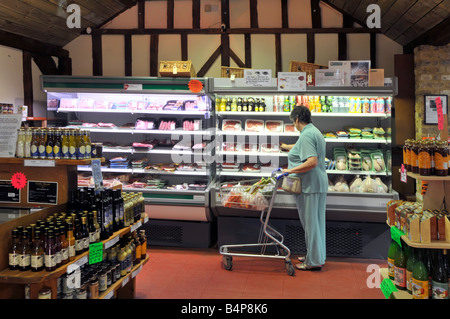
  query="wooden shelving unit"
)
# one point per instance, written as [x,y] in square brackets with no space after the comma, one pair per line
[60,171]
[37,280]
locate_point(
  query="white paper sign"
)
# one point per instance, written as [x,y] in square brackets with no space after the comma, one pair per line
[253,77]
[9,124]
[292,81]
[132,87]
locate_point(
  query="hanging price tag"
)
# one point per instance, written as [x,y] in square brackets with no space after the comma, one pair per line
[396,235]
[440,114]
[387,287]
[403,174]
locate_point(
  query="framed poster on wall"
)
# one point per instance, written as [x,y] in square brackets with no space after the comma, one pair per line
[431,112]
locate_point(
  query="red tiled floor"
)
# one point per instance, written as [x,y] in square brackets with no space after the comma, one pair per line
[198,274]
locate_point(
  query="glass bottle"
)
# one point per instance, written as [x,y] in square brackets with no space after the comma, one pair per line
[429,263]
[37,253]
[121,209]
[79,240]
[50,252]
[400,268]
[409,269]
[129,258]
[57,150]
[87,143]
[121,258]
[85,233]
[415,157]
[406,155]
[25,252]
[420,277]
[432,147]
[65,144]
[439,284]
[49,145]
[64,245]
[392,252]
[91,228]
[13,263]
[20,151]
[72,145]
[424,159]
[42,142]
[143,240]
[138,249]
[97,226]
[70,240]
[233,105]
[440,159]
[81,145]
[27,145]
[34,146]
[58,256]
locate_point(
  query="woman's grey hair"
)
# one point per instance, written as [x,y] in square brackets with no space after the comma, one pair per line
[301,113]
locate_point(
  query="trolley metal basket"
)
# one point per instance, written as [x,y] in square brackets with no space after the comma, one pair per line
[256,195]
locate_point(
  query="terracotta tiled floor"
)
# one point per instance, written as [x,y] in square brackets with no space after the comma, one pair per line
[198,274]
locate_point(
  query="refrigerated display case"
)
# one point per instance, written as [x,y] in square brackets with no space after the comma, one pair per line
[155,135]
[248,147]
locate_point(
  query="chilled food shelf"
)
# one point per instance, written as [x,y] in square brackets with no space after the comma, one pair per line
[337,172]
[272,154]
[359,140]
[154,151]
[243,133]
[313,114]
[134,131]
[144,171]
[127,111]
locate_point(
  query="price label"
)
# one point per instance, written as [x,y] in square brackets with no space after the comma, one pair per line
[440,113]
[396,235]
[403,174]
[387,287]
[95,253]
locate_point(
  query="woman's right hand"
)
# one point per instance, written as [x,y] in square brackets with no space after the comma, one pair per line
[284,146]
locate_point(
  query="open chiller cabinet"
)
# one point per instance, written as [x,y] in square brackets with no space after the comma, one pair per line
[255,154]
[173,167]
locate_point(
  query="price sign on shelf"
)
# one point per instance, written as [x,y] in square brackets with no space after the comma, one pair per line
[387,287]
[396,235]
[95,253]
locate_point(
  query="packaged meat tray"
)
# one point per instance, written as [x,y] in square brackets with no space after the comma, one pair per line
[274,126]
[254,126]
[252,168]
[231,125]
[192,125]
[290,128]
[252,147]
[145,124]
[167,125]
[232,147]
[270,148]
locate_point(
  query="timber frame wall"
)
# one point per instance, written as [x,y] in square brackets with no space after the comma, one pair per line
[224,49]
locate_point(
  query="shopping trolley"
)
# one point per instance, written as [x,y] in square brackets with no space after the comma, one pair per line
[256,195]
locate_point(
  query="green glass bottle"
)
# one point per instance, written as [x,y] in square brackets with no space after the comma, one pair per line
[409,269]
[439,281]
[419,284]
[400,268]
[391,258]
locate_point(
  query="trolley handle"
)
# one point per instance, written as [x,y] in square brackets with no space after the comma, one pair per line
[274,173]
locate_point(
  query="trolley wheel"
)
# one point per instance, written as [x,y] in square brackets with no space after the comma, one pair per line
[290,269]
[227,262]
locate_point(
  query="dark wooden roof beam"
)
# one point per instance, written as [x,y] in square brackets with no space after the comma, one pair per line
[31,45]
